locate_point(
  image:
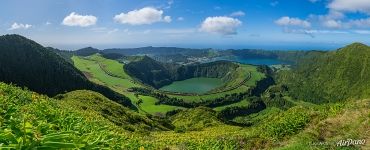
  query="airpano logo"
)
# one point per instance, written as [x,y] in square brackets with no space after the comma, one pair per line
[351,142]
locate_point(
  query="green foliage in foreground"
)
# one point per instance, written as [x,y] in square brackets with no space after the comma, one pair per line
[29,121]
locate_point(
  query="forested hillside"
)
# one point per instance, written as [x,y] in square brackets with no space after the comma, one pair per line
[26,63]
[332,76]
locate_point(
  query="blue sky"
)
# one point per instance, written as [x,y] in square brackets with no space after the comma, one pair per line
[265,24]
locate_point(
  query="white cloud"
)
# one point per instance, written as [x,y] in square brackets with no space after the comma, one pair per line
[287,21]
[332,23]
[350,6]
[167,19]
[48,23]
[237,14]
[220,25]
[16,26]
[330,20]
[361,23]
[180,18]
[146,15]
[75,19]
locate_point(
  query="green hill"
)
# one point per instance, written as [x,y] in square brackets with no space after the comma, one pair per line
[86,51]
[195,119]
[149,71]
[89,101]
[32,121]
[333,76]
[27,63]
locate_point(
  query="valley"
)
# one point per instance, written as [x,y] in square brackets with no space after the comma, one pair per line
[148,98]
[111,73]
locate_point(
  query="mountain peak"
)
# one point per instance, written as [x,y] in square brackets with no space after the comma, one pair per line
[87,51]
[12,35]
[354,47]
[357,44]
[16,38]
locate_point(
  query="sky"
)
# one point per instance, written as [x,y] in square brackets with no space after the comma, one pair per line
[219,24]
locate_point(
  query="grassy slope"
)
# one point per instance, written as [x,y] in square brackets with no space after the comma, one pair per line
[92,70]
[295,128]
[88,101]
[195,119]
[244,102]
[29,120]
[149,106]
[112,66]
[350,121]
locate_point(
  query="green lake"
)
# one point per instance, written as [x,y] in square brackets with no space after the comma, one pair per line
[194,85]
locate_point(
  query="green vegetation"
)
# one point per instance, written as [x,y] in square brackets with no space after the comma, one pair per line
[148,105]
[244,102]
[244,78]
[313,105]
[111,74]
[157,74]
[27,63]
[38,121]
[334,76]
[32,121]
[96,69]
[93,70]
[88,101]
[195,119]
